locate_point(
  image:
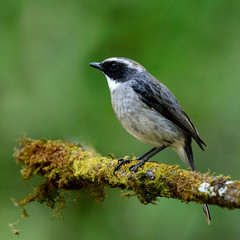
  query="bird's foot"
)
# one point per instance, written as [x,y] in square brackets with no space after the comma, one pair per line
[135,167]
[120,163]
[132,168]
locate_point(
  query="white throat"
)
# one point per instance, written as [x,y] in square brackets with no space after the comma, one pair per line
[112,84]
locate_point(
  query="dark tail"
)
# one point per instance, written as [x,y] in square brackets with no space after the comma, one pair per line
[186,155]
[206,213]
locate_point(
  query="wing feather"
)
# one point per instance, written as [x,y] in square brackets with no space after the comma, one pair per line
[158,97]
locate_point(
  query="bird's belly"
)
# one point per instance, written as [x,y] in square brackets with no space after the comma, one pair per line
[144,123]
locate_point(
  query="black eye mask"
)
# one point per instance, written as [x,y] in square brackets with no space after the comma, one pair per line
[117,70]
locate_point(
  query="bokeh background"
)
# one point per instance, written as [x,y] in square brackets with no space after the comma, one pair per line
[47,90]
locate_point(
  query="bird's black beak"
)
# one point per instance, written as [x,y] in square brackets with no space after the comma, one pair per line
[96,65]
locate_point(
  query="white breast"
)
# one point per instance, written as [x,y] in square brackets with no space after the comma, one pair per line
[138,119]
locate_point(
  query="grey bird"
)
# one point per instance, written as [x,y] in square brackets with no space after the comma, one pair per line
[149,111]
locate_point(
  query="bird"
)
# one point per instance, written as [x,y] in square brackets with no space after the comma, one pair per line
[149,111]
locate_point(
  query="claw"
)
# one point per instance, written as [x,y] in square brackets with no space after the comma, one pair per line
[135,167]
[120,163]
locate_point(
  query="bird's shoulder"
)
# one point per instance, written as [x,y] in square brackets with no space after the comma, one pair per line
[156,95]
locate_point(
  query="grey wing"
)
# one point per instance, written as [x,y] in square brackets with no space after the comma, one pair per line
[158,97]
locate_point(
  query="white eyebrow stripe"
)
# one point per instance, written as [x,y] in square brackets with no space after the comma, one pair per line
[128,62]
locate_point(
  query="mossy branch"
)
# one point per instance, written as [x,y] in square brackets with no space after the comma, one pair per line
[67,166]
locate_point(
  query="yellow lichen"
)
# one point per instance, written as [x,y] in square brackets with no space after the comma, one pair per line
[67,166]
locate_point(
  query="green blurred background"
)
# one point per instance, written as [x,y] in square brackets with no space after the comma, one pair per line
[47,90]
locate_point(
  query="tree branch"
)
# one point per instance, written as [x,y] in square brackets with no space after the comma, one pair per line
[67,166]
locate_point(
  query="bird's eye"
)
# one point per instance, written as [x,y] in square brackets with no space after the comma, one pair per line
[113,66]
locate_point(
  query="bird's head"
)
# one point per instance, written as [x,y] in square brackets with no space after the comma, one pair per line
[119,69]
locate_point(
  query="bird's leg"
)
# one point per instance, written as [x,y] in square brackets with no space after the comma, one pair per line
[134,167]
[124,161]
[145,154]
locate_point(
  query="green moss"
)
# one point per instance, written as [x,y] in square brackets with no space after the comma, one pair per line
[54,161]
[66,166]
